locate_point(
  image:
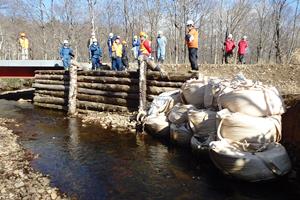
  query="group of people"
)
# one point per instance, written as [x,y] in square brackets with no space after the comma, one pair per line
[141,49]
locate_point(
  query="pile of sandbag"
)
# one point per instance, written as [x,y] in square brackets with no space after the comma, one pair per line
[237,120]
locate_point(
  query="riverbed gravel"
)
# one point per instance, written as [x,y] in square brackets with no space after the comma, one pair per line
[18,180]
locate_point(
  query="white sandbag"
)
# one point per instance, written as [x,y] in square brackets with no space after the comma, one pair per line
[157,125]
[192,92]
[202,121]
[200,143]
[248,166]
[180,134]
[164,102]
[179,113]
[255,101]
[243,128]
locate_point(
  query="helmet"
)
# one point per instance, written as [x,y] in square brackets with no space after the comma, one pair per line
[118,37]
[111,35]
[135,37]
[159,33]
[230,36]
[190,23]
[94,40]
[22,34]
[244,37]
[66,42]
[143,34]
[93,34]
[124,42]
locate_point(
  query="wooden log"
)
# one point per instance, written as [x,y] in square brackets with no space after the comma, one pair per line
[153,90]
[52,77]
[104,79]
[108,100]
[50,87]
[107,73]
[51,106]
[51,93]
[102,107]
[142,87]
[72,90]
[51,100]
[151,75]
[164,84]
[55,72]
[123,95]
[51,82]
[109,87]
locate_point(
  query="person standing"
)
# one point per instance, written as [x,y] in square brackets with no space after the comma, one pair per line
[243,45]
[229,47]
[145,53]
[161,41]
[191,39]
[124,55]
[95,54]
[24,46]
[135,47]
[117,55]
[110,43]
[65,54]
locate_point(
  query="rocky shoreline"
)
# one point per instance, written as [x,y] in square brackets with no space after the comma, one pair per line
[18,180]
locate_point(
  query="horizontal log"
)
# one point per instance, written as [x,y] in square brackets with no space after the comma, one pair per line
[51,100]
[51,106]
[52,93]
[52,77]
[104,79]
[128,74]
[151,75]
[50,87]
[123,95]
[102,107]
[108,100]
[153,90]
[55,72]
[110,87]
[164,84]
[51,82]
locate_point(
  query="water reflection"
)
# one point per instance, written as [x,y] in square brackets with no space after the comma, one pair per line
[89,163]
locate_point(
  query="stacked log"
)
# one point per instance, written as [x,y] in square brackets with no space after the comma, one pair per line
[51,89]
[102,90]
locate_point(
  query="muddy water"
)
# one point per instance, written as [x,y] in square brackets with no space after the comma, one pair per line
[88,163]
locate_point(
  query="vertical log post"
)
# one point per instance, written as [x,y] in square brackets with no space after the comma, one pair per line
[72,90]
[142,87]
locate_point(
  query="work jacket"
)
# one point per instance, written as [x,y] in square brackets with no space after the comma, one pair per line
[95,51]
[65,52]
[117,48]
[191,38]
[24,43]
[229,45]
[145,48]
[243,44]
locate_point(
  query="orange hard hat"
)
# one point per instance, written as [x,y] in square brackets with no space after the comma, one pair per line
[143,34]
[22,34]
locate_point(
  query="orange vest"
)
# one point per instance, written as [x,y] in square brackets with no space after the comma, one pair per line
[194,43]
[143,49]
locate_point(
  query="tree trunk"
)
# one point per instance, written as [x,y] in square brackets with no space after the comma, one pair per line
[72,91]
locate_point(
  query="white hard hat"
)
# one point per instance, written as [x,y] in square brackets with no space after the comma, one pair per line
[159,33]
[230,36]
[93,34]
[94,40]
[66,42]
[190,22]
[244,37]
[111,35]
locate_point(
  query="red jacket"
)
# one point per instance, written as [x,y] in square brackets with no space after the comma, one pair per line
[243,44]
[229,46]
[145,48]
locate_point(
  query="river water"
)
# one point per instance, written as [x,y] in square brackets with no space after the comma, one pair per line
[88,163]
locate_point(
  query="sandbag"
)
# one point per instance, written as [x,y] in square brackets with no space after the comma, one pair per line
[268,164]
[243,128]
[202,121]
[179,113]
[256,101]
[200,143]
[157,125]
[192,92]
[180,134]
[164,102]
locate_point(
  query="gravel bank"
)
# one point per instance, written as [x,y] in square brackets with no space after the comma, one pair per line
[17,179]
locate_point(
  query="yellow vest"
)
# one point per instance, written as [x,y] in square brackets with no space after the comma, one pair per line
[118,49]
[24,43]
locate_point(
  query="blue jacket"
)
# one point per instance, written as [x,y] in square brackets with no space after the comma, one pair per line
[136,43]
[161,42]
[65,52]
[95,51]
